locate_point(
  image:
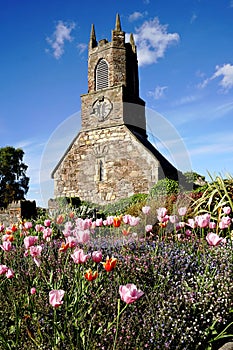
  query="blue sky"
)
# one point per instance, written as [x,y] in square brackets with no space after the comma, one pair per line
[185,55]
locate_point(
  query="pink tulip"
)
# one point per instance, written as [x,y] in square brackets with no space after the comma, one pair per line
[212,225]
[163,218]
[5,238]
[6,246]
[126,218]
[67,229]
[47,223]
[134,221]
[10,273]
[83,224]
[39,228]
[130,293]
[83,236]
[180,225]
[37,261]
[33,290]
[47,232]
[97,256]
[2,228]
[161,212]
[173,219]
[28,225]
[72,241]
[146,210]
[3,269]
[99,222]
[226,210]
[29,241]
[213,239]
[225,222]
[79,257]
[93,226]
[182,211]
[203,220]
[35,250]
[149,228]
[55,297]
[192,223]
[109,220]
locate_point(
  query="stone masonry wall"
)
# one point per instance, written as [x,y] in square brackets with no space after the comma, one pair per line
[23,209]
[105,165]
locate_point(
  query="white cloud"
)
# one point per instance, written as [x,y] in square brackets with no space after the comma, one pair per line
[226,71]
[81,47]
[185,100]
[193,18]
[135,16]
[61,34]
[224,109]
[200,74]
[152,40]
[226,74]
[219,143]
[158,92]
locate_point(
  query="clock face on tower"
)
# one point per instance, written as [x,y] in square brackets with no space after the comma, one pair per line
[101,108]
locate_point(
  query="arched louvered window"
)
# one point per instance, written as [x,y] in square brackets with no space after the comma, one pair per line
[101,75]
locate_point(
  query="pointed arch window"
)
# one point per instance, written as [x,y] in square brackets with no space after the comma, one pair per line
[101,78]
[101,170]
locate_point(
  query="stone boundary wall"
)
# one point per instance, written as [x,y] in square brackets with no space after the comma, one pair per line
[23,209]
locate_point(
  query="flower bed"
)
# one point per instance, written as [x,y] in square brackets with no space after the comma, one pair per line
[119,283]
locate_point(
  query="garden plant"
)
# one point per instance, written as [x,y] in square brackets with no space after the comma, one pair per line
[160,280]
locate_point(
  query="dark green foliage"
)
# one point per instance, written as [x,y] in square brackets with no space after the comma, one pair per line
[193,177]
[122,206]
[165,187]
[13,179]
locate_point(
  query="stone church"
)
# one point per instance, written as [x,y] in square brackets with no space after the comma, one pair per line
[111,157]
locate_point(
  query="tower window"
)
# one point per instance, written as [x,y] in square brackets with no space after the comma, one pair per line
[101,75]
[101,171]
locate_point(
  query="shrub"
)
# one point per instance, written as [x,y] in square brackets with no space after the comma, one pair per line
[165,187]
[123,205]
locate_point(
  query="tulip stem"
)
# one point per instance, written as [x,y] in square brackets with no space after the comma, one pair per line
[117,321]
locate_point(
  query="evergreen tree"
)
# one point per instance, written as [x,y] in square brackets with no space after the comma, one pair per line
[13,179]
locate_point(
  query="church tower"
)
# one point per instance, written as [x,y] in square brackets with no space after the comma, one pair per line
[112,80]
[111,157]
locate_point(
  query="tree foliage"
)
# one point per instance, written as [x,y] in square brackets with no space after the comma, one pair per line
[13,179]
[192,177]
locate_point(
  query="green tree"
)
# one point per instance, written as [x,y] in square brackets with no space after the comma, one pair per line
[192,177]
[13,179]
